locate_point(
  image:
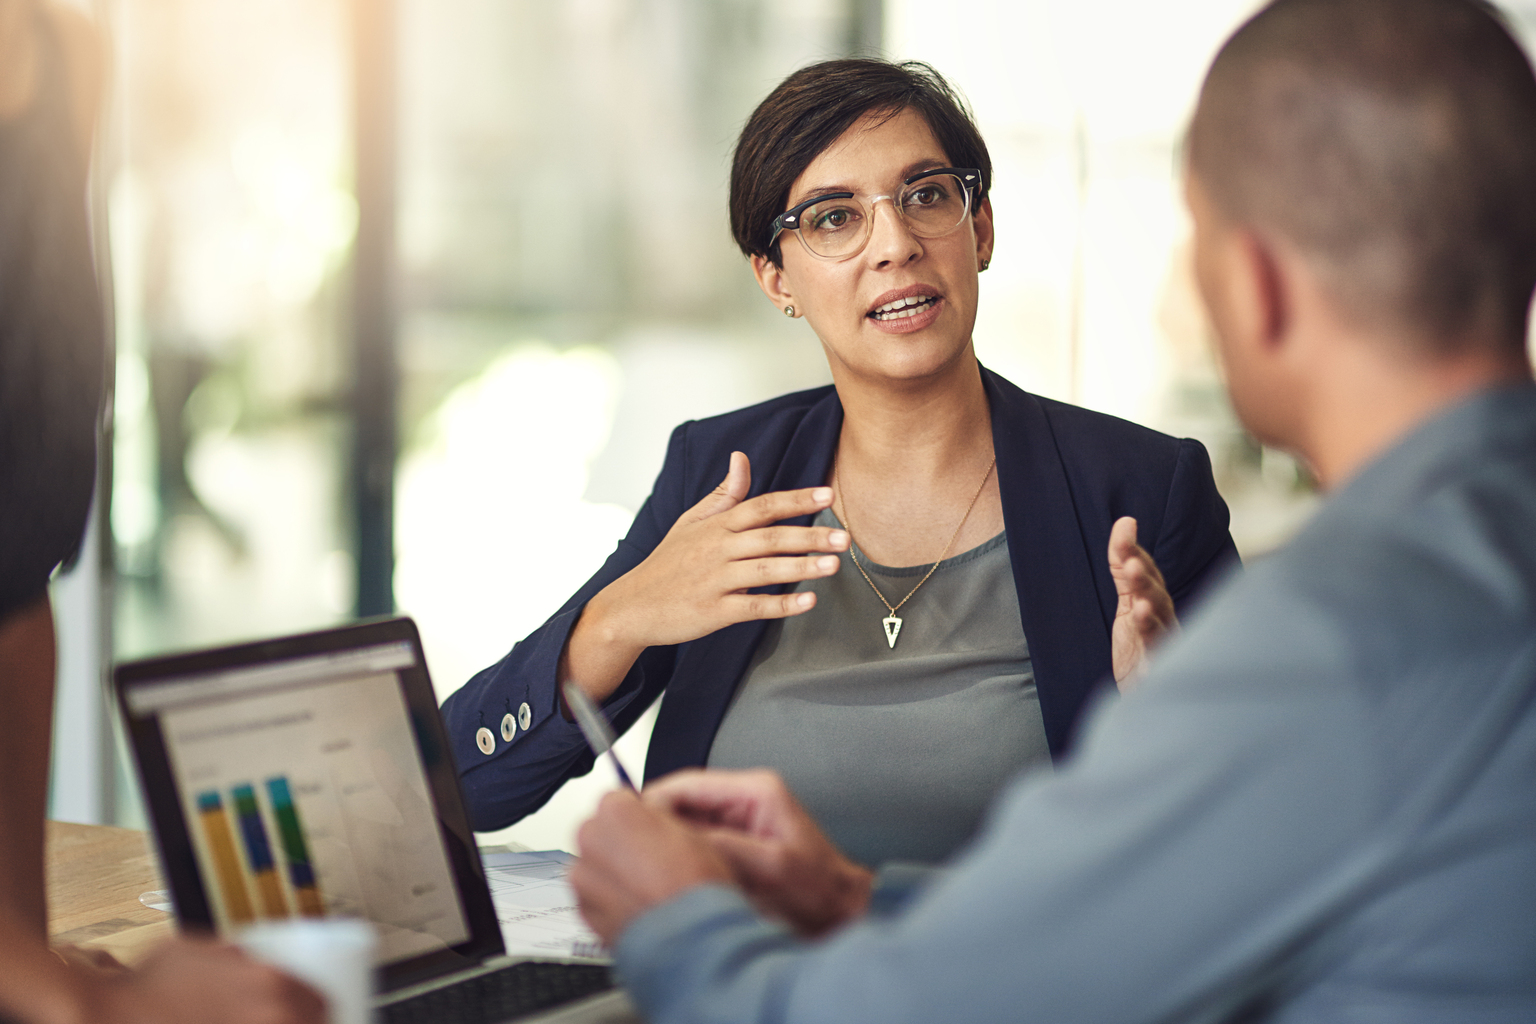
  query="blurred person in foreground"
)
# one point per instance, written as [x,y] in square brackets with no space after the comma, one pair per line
[51,370]
[951,564]
[1319,803]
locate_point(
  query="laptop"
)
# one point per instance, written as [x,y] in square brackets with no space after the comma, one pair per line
[310,776]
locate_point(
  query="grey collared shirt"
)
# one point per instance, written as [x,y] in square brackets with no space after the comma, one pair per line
[1318,806]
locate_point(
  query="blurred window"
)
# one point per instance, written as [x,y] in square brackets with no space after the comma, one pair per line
[568,287]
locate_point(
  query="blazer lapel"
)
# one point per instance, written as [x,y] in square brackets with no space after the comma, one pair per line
[710,668]
[1052,568]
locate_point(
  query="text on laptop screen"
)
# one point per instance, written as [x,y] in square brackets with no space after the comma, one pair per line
[305,795]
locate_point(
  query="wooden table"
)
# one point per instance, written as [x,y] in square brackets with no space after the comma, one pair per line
[95,876]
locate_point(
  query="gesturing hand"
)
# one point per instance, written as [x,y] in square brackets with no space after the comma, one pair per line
[696,580]
[776,853]
[1145,612]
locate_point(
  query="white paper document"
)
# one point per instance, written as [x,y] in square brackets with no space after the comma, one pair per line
[537,906]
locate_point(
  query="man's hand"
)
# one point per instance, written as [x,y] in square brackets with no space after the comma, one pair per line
[194,981]
[1145,613]
[778,855]
[633,858]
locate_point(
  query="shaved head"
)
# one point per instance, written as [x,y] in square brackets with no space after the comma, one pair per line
[1392,142]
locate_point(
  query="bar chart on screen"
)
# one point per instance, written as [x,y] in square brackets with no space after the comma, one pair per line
[313,802]
[258,872]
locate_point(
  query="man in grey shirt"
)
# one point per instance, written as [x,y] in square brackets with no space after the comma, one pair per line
[1320,804]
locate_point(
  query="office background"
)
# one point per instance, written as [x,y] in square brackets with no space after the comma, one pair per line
[407,296]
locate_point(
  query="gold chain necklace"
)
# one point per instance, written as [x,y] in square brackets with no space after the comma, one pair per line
[892,622]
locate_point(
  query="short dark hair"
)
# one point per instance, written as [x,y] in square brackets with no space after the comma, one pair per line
[812,108]
[1393,142]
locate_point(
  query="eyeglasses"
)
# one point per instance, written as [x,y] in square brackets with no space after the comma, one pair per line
[837,226]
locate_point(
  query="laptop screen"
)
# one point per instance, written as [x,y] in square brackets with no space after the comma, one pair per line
[296,780]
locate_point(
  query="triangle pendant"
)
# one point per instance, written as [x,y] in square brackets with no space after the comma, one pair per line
[892,626]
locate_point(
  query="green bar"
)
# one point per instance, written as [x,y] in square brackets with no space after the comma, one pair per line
[292,832]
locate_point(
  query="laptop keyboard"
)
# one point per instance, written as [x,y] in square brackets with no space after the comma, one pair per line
[514,991]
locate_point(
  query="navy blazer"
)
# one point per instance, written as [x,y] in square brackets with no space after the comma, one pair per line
[1065,474]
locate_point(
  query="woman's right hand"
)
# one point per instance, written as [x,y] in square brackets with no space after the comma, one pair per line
[697,578]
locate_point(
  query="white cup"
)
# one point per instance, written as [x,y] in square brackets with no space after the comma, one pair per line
[335,955]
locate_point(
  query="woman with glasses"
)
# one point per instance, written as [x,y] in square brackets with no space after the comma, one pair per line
[898,590]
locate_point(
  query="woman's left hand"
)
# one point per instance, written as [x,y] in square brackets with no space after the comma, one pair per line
[1145,612]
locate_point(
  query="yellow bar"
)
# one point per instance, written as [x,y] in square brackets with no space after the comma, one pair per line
[309,901]
[271,889]
[226,864]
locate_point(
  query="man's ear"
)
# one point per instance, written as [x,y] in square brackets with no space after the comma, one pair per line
[1263,289]
[770,278]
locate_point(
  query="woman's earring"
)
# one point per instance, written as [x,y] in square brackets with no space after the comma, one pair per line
[984,265]
[789,311]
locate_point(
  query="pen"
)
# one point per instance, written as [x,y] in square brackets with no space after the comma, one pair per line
[595,728]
